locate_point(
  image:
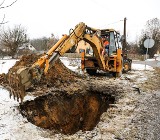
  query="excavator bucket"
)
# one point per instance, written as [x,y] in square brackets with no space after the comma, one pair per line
[19,79]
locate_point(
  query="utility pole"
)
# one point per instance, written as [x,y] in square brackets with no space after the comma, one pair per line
[124,40]
[125,31]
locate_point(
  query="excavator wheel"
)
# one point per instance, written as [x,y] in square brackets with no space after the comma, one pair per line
[91,71]
[126,66]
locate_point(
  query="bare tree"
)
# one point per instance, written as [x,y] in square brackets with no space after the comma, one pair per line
[44,43]
[13,38]
[152,30]
[51,41]
[40,43]
[6,6]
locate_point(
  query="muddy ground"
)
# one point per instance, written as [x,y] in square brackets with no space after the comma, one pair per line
[97,107]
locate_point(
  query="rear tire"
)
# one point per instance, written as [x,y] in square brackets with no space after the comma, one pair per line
[91,71]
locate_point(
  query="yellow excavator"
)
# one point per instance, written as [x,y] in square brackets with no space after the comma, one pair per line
[112,61]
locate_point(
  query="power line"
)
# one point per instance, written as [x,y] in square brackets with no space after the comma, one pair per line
[115,22]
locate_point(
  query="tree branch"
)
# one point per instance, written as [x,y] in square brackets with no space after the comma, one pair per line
[3,21]
[2,7]
[2,3]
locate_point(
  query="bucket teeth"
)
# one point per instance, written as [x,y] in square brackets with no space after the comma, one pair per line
[16,88]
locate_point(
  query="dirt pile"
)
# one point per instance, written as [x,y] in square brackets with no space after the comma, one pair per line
[56,76]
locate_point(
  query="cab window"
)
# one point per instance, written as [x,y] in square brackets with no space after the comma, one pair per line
[112,46]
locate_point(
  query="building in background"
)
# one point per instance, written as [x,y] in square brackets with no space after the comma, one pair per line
[26,48]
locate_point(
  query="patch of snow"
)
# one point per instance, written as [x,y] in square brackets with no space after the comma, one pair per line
[6,57]
[12,124]
[135,60]
[158,58]
[28,97]
[158,64]
[141,67]
[5,65]
[72,63]
[150,59]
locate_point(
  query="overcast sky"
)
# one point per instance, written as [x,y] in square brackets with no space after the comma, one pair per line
[43,17]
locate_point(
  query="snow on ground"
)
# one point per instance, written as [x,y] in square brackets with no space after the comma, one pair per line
[6,64]
[14,127]
[149,62]
[12,124]
[141,67]
[158,58]
[72,63]
[138,73]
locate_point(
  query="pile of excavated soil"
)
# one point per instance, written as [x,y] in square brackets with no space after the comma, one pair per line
[56,76]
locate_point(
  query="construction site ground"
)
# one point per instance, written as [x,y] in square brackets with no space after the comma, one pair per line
[68,105]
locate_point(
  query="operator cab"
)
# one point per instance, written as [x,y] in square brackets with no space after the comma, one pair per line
[114,40]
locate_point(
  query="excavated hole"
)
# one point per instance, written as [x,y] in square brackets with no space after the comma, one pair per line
[67,113]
